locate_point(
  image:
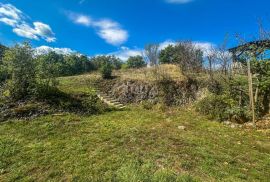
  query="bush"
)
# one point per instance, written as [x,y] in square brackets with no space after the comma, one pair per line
[222,108]
[216,107]
[106,71]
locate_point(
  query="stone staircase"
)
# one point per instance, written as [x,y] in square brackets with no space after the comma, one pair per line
[112,102]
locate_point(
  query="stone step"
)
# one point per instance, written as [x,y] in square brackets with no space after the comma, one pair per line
[107,99]
[116,103]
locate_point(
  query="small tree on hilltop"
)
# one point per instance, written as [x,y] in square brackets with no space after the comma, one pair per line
[167,55]
[106,70]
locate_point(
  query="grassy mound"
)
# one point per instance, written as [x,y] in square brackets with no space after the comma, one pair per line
[151,74]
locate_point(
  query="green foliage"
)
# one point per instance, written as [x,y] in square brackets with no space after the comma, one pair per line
[2,51]
[100,61]
[215,87]
[106,71]
[136,62]
[106,64]
[185,54]
[3,70]
[79,103]
[64,65]
[28,75]
[49,67]
[229,100]
[261,69]
[116,63]
[216,106]
[75,64]
[21,67]
[3,73]
[168,55]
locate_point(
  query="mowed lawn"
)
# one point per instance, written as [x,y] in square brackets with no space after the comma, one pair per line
[132,145]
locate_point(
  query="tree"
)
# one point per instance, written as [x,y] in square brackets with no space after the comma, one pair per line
[222,56]
[49,67]
[211,57]
[167,55]
[100,61]
[87,64]
[186,54]
[3,70]
[116,62]
[2,50]
[135,62]
[22,68]
[151,52]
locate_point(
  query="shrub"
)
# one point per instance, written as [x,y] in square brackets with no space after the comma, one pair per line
[215,106]
[239,114]
[106,71]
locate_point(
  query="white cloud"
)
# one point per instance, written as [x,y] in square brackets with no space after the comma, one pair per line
[10,11]
[24,30]
[8,21]
[206,47]
[179,1]
[109,30]
[166,43]
[80,19]
[44,31]
[126,52]
[15,18]
[46,49]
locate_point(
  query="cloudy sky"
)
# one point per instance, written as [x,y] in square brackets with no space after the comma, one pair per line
[123,27]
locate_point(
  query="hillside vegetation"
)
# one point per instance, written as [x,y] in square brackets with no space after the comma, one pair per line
[137,144]
[182,122]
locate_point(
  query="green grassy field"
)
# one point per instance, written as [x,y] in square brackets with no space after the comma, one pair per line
[130,146]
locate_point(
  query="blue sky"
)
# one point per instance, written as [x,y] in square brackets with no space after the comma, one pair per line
[123,27]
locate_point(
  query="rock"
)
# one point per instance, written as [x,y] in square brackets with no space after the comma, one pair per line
[233,126]
[181,127]
[250,125]
[227,122]
[135,91]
